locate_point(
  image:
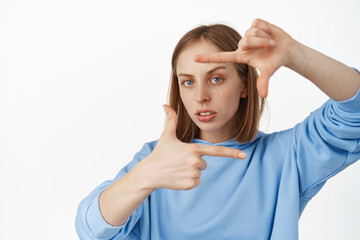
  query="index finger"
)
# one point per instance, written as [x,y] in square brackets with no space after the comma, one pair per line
[220,57]
[220,151]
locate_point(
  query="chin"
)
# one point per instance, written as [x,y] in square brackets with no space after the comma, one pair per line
[208,126]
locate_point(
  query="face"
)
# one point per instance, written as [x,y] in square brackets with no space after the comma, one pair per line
[213,88]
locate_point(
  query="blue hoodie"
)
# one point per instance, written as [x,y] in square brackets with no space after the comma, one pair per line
[261,197]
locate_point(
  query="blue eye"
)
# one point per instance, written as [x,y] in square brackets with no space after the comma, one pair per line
[188,82]
[217,79]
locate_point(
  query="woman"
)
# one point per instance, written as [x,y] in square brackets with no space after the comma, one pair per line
[240,182]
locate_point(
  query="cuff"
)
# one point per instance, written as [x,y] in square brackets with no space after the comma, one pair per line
[99,227]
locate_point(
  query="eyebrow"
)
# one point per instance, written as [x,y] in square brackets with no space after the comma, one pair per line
[208,73]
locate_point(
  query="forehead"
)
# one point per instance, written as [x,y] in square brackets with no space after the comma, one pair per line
[186,61]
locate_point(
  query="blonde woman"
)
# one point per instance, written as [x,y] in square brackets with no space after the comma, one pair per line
[212,174]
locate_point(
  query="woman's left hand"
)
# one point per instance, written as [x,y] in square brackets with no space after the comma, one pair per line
[264,46]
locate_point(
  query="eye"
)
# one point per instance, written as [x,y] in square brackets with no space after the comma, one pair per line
[188,82]
[217,79]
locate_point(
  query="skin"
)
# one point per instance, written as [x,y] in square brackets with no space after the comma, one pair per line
[268,47]
[221,91]
[177,165]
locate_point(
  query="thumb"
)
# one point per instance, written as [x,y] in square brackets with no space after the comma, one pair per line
[171,121]
[263,85]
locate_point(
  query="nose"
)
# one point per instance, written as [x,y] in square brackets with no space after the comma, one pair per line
[202,94]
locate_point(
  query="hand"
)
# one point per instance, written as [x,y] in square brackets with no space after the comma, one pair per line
[177,165]
[264,46]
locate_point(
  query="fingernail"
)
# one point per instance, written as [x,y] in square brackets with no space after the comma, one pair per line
[242,155]
[272,42]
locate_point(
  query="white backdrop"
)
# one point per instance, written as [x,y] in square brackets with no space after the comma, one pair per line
[82,85]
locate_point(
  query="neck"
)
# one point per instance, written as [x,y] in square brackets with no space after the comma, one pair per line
[214,137]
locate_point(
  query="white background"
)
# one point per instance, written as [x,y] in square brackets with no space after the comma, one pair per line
[82,85]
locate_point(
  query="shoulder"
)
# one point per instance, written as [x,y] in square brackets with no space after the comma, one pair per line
[278,136]
[279,141]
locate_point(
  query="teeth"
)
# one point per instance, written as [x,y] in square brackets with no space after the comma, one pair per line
[205,113]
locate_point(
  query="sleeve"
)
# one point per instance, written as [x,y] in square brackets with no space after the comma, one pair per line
[327,142]
[89,222]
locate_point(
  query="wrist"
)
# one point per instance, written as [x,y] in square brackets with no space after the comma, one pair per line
[295,54]
[143,176]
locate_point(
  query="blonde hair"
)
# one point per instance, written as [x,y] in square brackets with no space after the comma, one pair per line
[250,108]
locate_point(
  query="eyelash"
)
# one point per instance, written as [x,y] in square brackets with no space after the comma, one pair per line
[183,82]
[219,78]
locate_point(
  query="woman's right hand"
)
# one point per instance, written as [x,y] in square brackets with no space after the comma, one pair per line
[177,165]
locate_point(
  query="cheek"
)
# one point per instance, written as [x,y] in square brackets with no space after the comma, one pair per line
[182,97]
[185,98]
[230,99]
[229,95]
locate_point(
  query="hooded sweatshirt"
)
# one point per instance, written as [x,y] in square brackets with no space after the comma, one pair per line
[261,197]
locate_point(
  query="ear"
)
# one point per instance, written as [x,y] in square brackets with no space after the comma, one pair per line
[244,88]
[244,93]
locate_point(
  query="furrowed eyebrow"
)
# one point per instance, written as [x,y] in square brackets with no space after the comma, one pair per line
[208,73]
[215,69]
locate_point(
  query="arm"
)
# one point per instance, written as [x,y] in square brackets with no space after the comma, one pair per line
[328,140]
[120,199]
[159,169]
[267,47]
[93,220]
[115,207]
[335,79]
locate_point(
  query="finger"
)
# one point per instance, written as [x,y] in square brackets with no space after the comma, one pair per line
[203,165]
[256,42]
[220,57]
[262,24]
[266,26]
[257,32]
[220,151]
[263,85]
[171,120]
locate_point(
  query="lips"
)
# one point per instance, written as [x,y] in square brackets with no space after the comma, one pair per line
[205,118]
[204,111]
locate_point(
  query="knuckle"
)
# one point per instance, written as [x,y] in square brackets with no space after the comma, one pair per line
[256,22]
[195,163]
[191,184]
[194,148]
[255,31]
[196,174]
[245,41]
[171,117]
[238,58]
[266,43]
